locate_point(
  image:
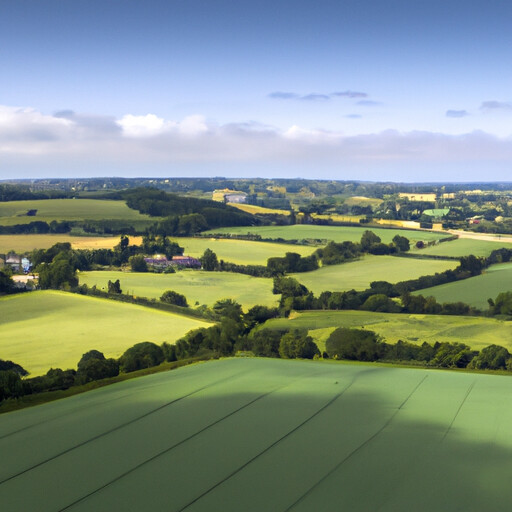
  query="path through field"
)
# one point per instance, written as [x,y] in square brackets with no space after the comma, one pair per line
[266,435]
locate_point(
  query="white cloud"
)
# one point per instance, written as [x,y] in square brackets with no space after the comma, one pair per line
[142,126]
[31,140]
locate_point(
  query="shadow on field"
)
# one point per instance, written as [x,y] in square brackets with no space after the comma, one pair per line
[342,438]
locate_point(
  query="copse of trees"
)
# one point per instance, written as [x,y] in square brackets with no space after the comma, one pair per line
[172,297]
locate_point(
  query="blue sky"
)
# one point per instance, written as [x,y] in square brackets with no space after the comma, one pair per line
[350,89]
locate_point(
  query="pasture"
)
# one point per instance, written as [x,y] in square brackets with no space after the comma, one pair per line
[266,435]
[197,285]
[49,329]
[14,212]
[476,290]
[465,247]
[240,251]
[335,233]
[359,274]
[477,332]
[27,243]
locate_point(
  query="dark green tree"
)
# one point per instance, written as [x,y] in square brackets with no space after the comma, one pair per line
[114,286]
[138,263]
[142,355]
[209,260]
[368,239]
[402,243]
[172,297]
[356,344]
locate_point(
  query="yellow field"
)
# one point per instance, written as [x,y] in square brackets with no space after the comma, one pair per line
[253,209]
[26,243]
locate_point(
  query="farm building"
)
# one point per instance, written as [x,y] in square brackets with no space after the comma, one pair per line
[158,261]
[186,261]
[227,195]
[13,261]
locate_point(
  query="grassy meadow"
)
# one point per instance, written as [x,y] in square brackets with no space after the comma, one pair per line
[49,329]
[254,434]
[240,251]
[335,233]
[360,273]
[476,290]
[14,212]
[477,332]
[464,247]
[198,286]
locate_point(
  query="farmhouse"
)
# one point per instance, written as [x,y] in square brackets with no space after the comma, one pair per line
[227,195]
[185,261]
[158,261]
[13,261]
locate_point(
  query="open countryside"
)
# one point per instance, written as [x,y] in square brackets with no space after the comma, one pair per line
[240,251]
[359,274]
[465,246]
[474,291]
[477,332]
[50,329]
[302,436]
[15,212]
[24,243]
[334,233]
[199,287]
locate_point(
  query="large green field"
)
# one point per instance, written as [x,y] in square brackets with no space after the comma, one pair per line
[14,212]
[336,233]
[359,274]
[477,332]
[241,251]
[464,247]
[198,286]
[269,435]
[50,329]
[476,290]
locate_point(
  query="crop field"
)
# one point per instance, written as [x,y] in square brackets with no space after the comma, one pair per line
[25,243]
[335,233]
[45,329]
[14,212]
[476,290]
[464,247]
[477,332]
[254,209]
[198,286]
[266,435]
[240,251]
[363,201]
[360,273]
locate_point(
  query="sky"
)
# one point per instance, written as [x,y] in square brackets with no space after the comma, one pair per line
[382,90]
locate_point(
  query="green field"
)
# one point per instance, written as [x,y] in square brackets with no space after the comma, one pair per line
[198,286]
[14,212]
[359,274]
[464,247]
[241,251]
[336,233]
[257,435]
[477,332]
[50,329]
[476,290]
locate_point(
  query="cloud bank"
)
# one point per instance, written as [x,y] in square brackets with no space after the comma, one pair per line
[32,142]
